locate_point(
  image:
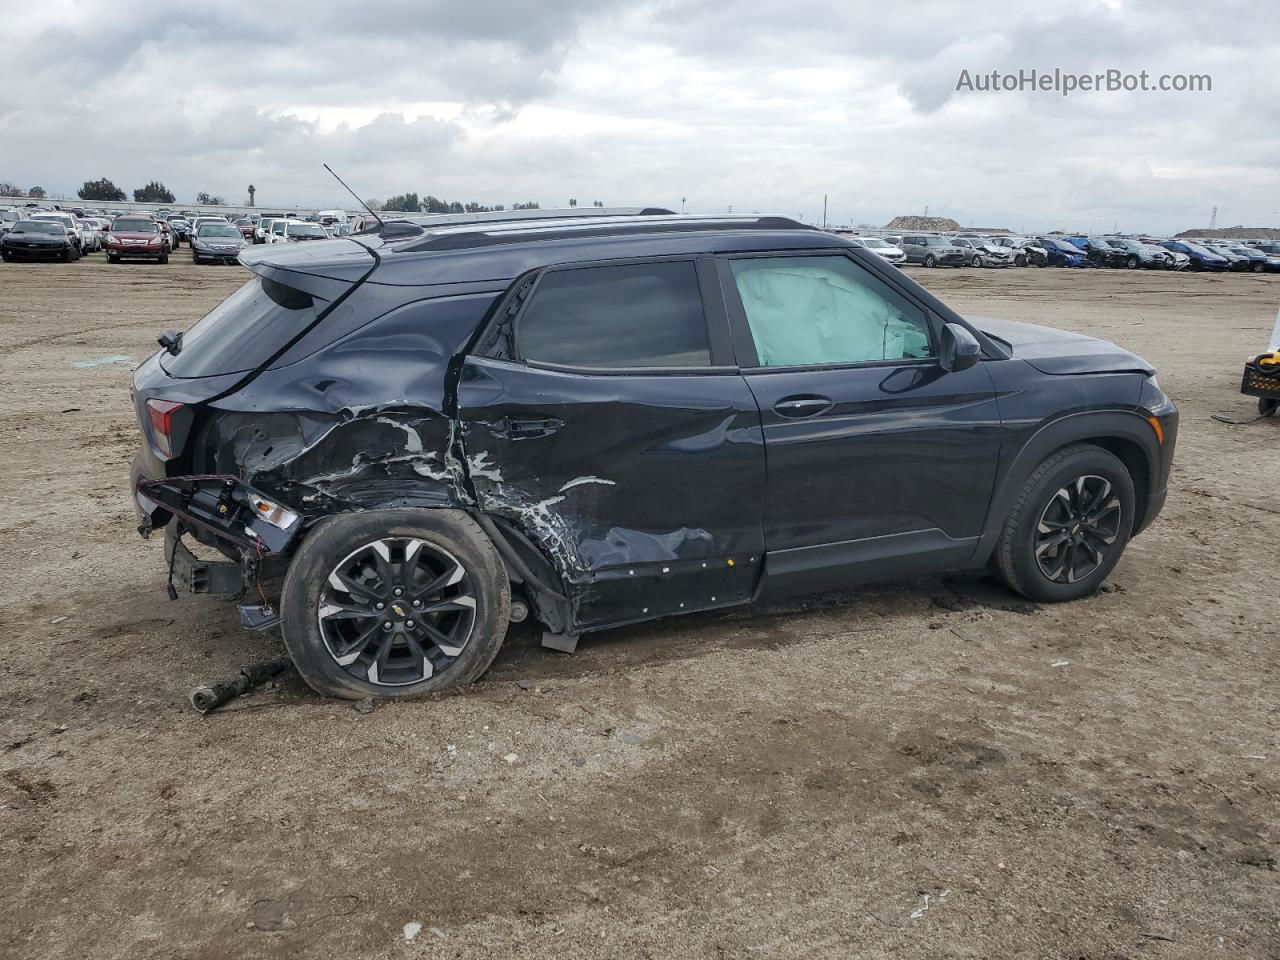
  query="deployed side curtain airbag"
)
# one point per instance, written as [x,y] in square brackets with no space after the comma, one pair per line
[817,310]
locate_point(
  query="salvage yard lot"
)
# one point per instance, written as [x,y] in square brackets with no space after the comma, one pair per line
[921,769]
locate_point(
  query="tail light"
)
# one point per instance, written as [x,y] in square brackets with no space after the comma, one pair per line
[166,421]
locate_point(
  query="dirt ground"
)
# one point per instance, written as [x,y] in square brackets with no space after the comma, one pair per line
[908,771]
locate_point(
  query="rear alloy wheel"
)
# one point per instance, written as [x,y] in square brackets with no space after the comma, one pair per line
[395,603]
[1069,526]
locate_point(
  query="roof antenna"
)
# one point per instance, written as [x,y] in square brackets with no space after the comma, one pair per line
[381,223]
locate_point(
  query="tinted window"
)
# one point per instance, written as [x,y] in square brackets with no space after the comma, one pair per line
[814,311]
[639,315]
[244,330]
[134,226]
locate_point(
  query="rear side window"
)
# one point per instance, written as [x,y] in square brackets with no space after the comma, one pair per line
[244,330]
[635,315]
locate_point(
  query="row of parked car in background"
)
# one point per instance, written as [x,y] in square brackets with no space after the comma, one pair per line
[40,233]
[67,234]
[1123,252]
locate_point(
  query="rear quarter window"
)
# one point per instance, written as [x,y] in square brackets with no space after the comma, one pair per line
[244,331]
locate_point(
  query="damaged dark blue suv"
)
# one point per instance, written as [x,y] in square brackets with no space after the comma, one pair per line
[425,432]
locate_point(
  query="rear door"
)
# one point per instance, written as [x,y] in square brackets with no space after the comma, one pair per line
[879,462]
[603,417]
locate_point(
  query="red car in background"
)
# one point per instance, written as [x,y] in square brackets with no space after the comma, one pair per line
[245,226]
[136,238]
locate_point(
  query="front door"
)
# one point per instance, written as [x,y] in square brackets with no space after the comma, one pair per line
[879,462]
[608,425]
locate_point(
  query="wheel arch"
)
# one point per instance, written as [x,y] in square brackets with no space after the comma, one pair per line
[1126,434]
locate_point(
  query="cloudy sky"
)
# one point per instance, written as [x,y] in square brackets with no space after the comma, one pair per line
[758,105]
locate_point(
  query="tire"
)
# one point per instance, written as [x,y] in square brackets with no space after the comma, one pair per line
[1267,406]
[164,258]
[1080,475]
[1131,263]
[1020,261]
[7,257]
[1258,267]
[348,543]
[930,260]
[112,258]
[978,262]
[66,255]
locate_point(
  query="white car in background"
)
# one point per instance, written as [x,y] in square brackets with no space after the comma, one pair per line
[293,231]
[881,248]
[90,238]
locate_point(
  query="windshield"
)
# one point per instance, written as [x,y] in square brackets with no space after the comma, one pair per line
[218,230]
[62,218]
[874,242]
[37,226]
[134,226]
[306,230]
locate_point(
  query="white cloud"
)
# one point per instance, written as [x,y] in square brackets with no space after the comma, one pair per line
[760,105]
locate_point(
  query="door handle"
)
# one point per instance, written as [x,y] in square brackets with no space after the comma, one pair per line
[512,428]
[802,406]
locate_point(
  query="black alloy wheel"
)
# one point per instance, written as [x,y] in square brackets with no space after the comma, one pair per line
[1080,523]
[397,611]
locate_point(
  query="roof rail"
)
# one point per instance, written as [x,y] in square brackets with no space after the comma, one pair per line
[429,220]
[648,223]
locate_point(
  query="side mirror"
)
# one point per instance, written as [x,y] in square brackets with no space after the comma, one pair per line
[960,349]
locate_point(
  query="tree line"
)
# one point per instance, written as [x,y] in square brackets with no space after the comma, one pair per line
[104,189]
[12,190]
[412,203]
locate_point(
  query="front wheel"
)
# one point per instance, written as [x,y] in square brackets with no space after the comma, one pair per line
[1267,406]
[1069,525]
[1019,261]
[394,603]
[979,262]
[931,261]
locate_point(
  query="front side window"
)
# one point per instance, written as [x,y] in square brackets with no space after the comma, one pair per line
[634,315]
[817,311]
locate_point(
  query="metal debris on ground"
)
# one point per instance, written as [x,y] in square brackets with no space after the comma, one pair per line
[209,698]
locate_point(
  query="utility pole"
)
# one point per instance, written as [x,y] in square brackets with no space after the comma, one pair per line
[824,211]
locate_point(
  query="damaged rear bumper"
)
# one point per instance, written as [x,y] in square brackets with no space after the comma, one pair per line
[224,506]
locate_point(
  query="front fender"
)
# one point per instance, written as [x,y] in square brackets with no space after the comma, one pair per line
[1126,426]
